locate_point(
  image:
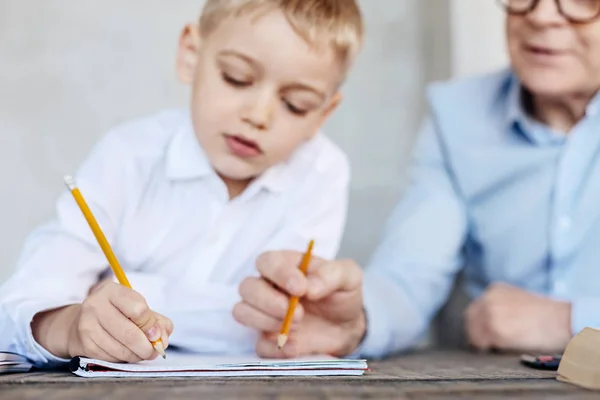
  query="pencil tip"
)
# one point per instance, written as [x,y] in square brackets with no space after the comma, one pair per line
[281,341]
[160,349]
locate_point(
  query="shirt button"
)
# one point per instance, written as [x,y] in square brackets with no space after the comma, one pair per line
[564,223]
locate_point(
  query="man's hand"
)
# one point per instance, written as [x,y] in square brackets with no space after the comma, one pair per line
[509,318]
[113,324]
[329,318]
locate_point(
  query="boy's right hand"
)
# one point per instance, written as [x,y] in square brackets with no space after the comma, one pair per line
[113,324]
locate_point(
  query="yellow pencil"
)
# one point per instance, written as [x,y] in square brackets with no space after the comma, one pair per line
[110,255]
[287,322]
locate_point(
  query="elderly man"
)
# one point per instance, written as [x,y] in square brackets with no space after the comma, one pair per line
[505,183]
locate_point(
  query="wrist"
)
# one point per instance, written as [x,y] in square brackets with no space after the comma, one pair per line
[51,329]
[566,322]
[358,331]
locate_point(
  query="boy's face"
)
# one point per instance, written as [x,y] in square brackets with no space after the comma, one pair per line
[258,91]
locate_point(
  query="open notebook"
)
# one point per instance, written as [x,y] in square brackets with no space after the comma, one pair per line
[195,365]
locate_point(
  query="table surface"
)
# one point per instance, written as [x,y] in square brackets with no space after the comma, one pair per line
[431,375]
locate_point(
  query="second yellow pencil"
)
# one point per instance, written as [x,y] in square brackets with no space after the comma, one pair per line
[287,322]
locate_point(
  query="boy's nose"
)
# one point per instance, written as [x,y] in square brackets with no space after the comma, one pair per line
[259,112]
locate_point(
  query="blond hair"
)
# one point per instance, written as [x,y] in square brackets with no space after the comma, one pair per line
[334,23]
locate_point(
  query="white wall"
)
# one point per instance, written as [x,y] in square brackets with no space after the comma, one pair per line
[477,32]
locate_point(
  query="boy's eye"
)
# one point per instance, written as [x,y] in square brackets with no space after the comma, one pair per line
[234,81]
[295,110]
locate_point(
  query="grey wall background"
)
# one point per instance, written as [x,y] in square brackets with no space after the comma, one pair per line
[71,69]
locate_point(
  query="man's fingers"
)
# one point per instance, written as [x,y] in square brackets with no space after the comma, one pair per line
[282,268]
[266,299]
[133,306]
[126,332]
[477,332]
[333,276]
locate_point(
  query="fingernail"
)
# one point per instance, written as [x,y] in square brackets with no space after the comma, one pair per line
[153,333]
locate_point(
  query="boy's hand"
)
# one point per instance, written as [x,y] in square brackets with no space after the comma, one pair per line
[113,324]
[329,318]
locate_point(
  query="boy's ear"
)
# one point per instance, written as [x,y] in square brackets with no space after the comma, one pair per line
[187,53]
[331,107]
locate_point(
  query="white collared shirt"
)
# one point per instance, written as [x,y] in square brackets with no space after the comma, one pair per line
[183,244]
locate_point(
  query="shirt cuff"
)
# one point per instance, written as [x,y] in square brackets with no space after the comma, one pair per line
[584,313]
[34,351]
[375,342]
[394,322]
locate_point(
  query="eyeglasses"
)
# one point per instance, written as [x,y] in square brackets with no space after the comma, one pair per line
[577,11]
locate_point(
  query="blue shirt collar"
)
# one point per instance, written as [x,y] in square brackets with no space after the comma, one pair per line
[519,119]
[537,132]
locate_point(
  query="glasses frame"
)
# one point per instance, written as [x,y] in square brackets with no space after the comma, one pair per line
[534,4]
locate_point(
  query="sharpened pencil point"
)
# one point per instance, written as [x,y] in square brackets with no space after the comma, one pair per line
[281,340]
[158,346]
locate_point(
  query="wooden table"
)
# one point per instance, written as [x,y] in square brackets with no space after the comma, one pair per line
[431,375]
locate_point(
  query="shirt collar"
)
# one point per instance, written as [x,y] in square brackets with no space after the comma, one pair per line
[514,111]
[187,160]
[274,180]
[518,118]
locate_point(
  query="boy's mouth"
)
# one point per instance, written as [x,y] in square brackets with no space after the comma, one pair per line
[242,147]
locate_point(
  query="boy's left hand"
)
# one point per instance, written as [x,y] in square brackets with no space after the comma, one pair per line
[509,318]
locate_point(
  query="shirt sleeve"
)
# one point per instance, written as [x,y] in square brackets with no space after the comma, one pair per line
[584,313]
[61,259]
[411,272]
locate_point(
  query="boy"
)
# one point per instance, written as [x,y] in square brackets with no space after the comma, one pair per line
[189,200]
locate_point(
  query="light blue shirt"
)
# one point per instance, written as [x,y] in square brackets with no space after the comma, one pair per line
[498,194]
